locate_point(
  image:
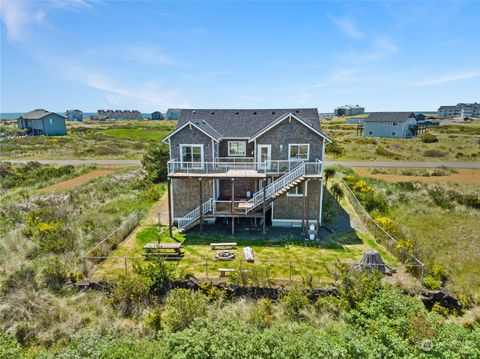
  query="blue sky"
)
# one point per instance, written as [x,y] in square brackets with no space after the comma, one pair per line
[151,55]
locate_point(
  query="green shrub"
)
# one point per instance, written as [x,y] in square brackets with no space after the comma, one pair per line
[431,283]
[54,276]
[357,286]
[439,309]
[334,148]
[428,138]
[381,151]
[157,273]
[293,302]
[9,347]
[182,307]
[261,314]
[155,162]
[434,153]
[130,294]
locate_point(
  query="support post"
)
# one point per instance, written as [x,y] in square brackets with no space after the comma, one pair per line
[319,209]
[307,220]
[264,207]
[201,204]
[303,206]
[170,221]
[232,209]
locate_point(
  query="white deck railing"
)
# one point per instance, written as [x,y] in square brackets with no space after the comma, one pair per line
[194,215]
[244,168]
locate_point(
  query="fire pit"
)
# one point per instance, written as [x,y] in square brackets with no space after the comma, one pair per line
[225,256]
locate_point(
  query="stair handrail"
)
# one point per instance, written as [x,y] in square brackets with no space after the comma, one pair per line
[276,185]
[193,215]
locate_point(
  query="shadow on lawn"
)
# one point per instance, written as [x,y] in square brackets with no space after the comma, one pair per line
[338,233]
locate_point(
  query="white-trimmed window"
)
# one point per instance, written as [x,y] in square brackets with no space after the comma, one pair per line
[191,156]
[395,123]
[237,148]
[370,133]
[297,191]
[298,151]
[394,133]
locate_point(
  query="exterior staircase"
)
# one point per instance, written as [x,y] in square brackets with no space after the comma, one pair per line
[191,219]
[282,185]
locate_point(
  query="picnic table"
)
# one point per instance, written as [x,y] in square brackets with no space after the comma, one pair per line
[226,245]
[164,250]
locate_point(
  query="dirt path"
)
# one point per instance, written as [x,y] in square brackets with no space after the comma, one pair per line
[60,186]
[464,176]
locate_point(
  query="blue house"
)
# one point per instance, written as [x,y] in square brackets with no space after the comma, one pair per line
[42,122]
[390,124]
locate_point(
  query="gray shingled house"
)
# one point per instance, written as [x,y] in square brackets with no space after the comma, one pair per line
[390,124]
[264,165]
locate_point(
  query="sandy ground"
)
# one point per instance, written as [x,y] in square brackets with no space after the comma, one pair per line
[465,176]
[80,179]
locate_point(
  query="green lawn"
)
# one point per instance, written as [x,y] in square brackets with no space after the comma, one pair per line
[137,134]
[274,256]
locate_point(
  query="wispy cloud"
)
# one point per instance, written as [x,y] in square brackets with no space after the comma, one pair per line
[150,96]
[347,25]
[17,17]
[458,76]
[380,48]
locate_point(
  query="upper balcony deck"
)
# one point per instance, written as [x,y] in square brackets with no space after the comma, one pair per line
[236,168]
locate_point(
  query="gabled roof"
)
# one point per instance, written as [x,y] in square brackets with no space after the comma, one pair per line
[389,116]
[236,123]
[203,127]
[281,119]
[38,114]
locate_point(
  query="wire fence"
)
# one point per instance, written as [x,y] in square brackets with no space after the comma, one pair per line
[417,268]
[259,273]
[101,251]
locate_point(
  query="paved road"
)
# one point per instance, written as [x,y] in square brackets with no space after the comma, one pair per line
[343,163]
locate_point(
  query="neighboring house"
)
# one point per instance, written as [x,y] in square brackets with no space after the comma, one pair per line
[157,115]
[74,115]
[250,165]
[172,114]
[42,122]
[390,124]
[119,115]
[355,121]
[349,110]
[460,110]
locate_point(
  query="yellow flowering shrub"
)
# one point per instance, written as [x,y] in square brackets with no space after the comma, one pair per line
[362,186]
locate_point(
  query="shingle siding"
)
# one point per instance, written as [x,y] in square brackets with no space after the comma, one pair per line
[186,194]
[191,135]
[291,132]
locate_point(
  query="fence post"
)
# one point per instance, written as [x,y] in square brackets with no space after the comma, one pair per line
[290,271]
[85,268]
[126,270]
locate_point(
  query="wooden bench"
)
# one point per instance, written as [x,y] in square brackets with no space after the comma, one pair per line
[227,245]
[224,271]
